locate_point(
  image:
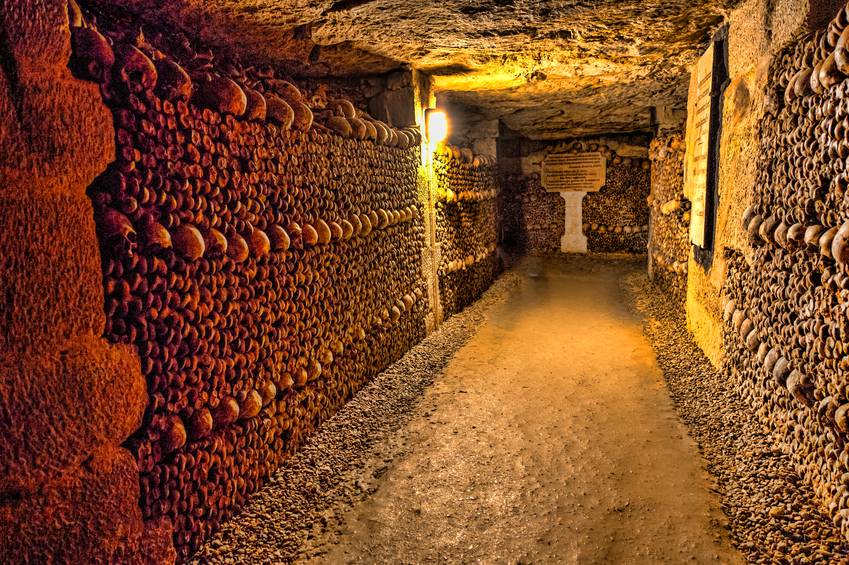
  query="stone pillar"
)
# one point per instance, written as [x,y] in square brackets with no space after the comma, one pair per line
[424,98]
[69,493]
[574,240]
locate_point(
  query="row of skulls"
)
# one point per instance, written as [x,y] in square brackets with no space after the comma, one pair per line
[617,229]
[787,293]
[262,97]
[261,250]
[466,225]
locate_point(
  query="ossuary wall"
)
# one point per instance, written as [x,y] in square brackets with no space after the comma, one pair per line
[466,226]
[261,250]
[669,241]
[533,218]
[615,219]
[785,324]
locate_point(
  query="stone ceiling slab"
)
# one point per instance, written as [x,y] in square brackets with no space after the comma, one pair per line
[548,68]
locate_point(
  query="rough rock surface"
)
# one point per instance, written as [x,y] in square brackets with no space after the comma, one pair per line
[68,399]
[543,67]
[91,511]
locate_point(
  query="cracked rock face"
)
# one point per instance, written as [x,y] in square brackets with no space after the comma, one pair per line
[549,68]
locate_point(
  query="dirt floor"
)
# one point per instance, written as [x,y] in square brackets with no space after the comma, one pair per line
[536,427]
[548,438]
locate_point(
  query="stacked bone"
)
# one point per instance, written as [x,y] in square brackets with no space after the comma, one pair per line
[786,326]
[265,267]
[533,218]
[620,204]
[466,226]
[669,245]
[617,229]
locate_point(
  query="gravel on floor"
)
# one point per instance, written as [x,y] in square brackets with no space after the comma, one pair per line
[773,515]
[339,465]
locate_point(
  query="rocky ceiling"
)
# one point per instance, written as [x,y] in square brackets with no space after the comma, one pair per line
[548,68]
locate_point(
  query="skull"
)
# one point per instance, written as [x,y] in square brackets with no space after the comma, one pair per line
[118,232]
[93,56]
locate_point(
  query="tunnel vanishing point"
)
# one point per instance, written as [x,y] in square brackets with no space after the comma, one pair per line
[246,243]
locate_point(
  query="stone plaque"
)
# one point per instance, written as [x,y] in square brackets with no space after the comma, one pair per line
[699,107]
[574,172]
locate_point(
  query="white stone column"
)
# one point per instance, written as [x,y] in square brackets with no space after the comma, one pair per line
[574,240]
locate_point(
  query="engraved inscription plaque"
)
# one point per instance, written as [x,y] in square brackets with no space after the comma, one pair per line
[574,172]
[698,144]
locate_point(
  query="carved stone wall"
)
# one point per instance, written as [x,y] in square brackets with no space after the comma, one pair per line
[68,397]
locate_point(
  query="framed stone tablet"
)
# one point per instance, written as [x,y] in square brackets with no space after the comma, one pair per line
[708,81]
[698,144]
[574,172]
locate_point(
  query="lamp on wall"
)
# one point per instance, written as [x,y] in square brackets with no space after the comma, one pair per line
[436,122]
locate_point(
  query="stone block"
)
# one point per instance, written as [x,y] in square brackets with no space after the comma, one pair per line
[50,272]
[395,107]
[55,131]
[399,79]
[92,516]
[36,35]
[62,402]
[573,239]
[57,136]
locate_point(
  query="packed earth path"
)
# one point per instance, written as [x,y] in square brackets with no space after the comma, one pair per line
[547,437]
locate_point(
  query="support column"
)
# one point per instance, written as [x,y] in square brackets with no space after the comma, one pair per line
[574,240]
[423,98]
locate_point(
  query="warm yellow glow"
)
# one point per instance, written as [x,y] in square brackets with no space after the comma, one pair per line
[437,126]
[491,79]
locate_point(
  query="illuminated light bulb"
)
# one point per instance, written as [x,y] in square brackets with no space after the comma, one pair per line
[437,126]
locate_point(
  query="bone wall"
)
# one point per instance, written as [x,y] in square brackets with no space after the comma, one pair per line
[784,316]
[615,219]
[533,218]
[260,259]
[669,241]
[466,226]
[275,271]
[758,32]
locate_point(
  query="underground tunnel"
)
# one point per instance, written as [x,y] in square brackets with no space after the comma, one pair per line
[379,281]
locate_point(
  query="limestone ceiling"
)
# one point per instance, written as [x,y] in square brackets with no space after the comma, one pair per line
[548,68]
